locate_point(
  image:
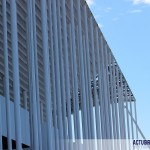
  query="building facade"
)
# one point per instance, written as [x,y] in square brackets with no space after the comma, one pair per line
[59,80]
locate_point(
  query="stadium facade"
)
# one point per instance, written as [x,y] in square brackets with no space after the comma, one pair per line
[59,80]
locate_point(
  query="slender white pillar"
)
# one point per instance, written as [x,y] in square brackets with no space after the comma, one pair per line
[73,87]
[127,115]
[47,83]
[99,82]
[31,47]
[105,91]
[16,83]
[86,87]
[82,88]
[102,102]
[74,49]
[123,143]
[37,76]
[57,73]
[63,78]
[97,119]
[115,99]
[108,113]
[112,96]
[119,104]
[122,106]
[136,119]
[66,61]
[130,101]
[56,141]
[6,78]
[88,75]
[39,115]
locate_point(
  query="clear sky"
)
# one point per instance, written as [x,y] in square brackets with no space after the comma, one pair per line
[126,27]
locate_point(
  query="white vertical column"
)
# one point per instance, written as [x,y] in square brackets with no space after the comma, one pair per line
[72,83]
[130,100]
[108,113]
[62,69]
[64,25]
[112,96]
[100,82]
[122,106]
[82,88]
[36,76]
[102,101]
[6,78]
[119,103]
[47,74]
[53,77]
[94,81]
[123,143]
[16,83]
[74,48]
[105,86]
[88,75]
[86,87]
[115,99]
[136,119]
[32,80]
[57,71]
[127,114]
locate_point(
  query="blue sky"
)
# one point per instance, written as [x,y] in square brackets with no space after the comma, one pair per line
[126,27]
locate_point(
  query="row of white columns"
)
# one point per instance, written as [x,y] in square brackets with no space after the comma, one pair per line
[109,99]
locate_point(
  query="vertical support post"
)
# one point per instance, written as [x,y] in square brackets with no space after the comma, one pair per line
[47,74]
[73,87]
[112,96]
[88,75]
[94,82]
[119,103]
[123,143]
[132,129]
[32,80]
[82,88]
[64,25]
[108,113]
[57,74]
[86,87]
[101,84]
[37,77]
[105,86]
[74,48]
[53,77]
[15,59]
[127,114]
[62,70]
[115,98]
[122,107]
[6,73]
[136,120]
